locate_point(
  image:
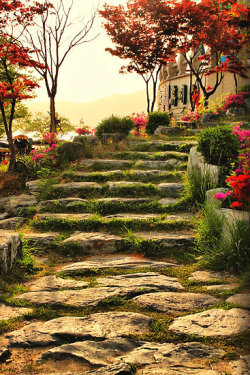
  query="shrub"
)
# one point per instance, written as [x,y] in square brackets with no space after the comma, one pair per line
[228,253]
[156,119]
[115,124]
[218,145]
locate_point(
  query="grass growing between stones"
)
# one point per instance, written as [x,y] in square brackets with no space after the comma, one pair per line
[115,225]
[146,156]
[152,146]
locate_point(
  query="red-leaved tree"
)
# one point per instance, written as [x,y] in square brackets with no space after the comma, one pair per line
[142,43]
[15,84]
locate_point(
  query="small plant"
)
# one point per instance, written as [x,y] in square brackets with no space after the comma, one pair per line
[85,130]
[115,124]
[218,145]
[140,121]
[156,119]
[50,138]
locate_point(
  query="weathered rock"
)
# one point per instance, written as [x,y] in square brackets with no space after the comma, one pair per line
[90,139]
[3,202]
[11,224]
[196,162]
[165,201]
[114,137]
[67,202]
[185,356]
[208,117]
[158,164]
[4,354]
[222,287]
[71,151]
[95,242]
[66,216]
[167,130]
[17,205]
[169,239]
[177,370]
[152,281]
[54,283]
[210,196]
[119,369]
[240,299]
[113,185]
[34,186]
[132,216]
[241,366]
[76,187]
[9,312]
[10,249]
[175,303]
[4,216]
[97,326]
[207,276]
[41,239]
[115,262]
[134,201]
[151,172]
[171,189]
[106,164]
[215,322]
[96,354]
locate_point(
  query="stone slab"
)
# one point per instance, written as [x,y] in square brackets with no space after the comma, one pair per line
[18,204]
[216,322]
[242,299]
[52,282]
[98,326]
[63,216]
[169,239]
[34,186]
[93,353]
[115,262]
[207,276]
[148,281]
[41,239]
[67,202]
[95,242]
[158,164]
[177,370]
[241,366]
[9,312]
[102,163]
[11,223]
[221,287]
[165,201]
[119,369]
[175,303]
[134,201]
[168,356]
[171,189]
[77,187]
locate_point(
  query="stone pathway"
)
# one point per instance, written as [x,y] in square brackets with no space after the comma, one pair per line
[111,310]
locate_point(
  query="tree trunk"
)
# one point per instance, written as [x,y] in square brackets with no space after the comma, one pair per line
[12,151]
[52,115]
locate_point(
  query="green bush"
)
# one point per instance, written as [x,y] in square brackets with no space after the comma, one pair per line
[218,145]
[156,119]
[115,124]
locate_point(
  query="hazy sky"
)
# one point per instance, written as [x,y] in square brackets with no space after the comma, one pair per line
[89,72]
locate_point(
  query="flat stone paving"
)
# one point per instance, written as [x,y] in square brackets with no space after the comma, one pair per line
[9,312]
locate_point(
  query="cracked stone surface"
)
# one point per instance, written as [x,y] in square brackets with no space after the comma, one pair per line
[94,353]
[10,249]
[41,239]
[216,322]
[95,242]
[98,326]
[115,262]
[54,283]
[241,366]
[240,299]
[205,276]
[173,303]
[9,312]
[152,281]
[76,187]
[184,357]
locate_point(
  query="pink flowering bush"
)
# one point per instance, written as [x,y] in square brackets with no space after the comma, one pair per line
[235,100]
[140,121]
[49,138]
[45,158]
[85,130]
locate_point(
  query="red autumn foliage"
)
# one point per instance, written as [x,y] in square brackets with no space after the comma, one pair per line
[15,84]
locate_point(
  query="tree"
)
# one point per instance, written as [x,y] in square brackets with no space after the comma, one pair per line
[41,124]
[15,84]
[213,24]
[55,37]
[140,41]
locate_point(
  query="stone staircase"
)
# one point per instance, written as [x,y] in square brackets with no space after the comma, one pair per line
[113,297]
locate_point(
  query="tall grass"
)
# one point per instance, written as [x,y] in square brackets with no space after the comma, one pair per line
[197,184]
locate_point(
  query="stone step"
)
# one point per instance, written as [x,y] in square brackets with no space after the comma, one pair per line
[89,222]
[110,164]
[154,156]
[115,262]
[117,188]
[161,145]
[128,175]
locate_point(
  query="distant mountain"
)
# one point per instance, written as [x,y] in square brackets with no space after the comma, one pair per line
[94,111]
